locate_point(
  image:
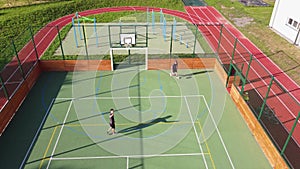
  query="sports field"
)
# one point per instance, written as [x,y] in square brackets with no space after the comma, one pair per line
[161,122]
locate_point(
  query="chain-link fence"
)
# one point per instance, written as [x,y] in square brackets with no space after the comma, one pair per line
[167,37]
[273,105]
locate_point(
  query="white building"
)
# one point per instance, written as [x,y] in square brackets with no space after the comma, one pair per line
[285,19]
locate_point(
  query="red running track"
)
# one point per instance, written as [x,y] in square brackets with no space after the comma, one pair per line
[284,106]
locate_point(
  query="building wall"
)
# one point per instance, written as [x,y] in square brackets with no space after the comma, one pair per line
[285,19]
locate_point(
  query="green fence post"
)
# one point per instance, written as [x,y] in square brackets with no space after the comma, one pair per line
[290,134]
[243,85]
[219,43]
[228,74]
[17,56]
[242,67]
[171,42]
[234,46]
[242,79]
[4,88]
[61,46]
[85,45]
[249,66]
[265,100]
[195,40]
[32,38]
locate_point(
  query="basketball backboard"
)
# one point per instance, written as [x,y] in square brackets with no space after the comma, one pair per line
[127,38]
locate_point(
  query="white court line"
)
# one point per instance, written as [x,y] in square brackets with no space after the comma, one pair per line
[196,132]
[127,97]
[219,134]
[61,129]
[128,156]
[36,135]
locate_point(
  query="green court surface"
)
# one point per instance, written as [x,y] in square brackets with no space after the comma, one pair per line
[161,122]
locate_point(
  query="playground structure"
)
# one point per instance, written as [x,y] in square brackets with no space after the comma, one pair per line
[158,28]
[82,33]
[133,39]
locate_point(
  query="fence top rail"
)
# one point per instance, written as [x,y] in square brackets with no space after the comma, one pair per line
[285,90]
[229,31]
[275,78]
[238,41]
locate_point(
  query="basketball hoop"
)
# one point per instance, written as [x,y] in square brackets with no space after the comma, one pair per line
[128,45]
[127,40]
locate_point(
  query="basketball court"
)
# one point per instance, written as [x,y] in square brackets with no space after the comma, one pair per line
[160,122]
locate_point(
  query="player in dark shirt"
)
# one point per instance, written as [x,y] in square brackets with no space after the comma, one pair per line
[174,69]
[111,122]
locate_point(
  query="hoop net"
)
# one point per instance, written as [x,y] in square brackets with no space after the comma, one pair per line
[128,45]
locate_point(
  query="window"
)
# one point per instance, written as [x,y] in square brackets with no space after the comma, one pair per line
[290,21]
[295,24]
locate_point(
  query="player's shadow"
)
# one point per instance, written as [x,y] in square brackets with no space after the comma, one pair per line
[126,132]
[141,126]
[189,75]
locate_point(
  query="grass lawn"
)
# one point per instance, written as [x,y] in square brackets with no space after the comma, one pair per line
[13,3]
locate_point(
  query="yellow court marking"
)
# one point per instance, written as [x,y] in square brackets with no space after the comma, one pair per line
[211,159]
[46,151]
